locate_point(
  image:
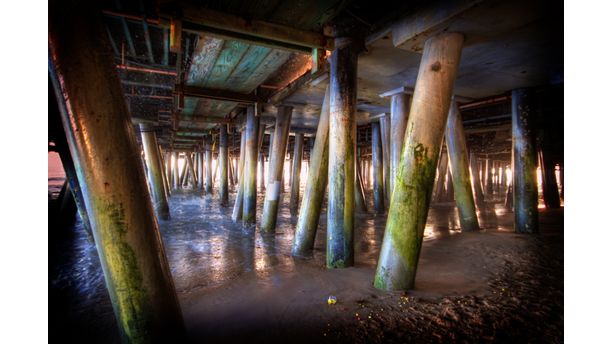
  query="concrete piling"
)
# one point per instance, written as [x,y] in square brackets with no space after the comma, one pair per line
[525,187]
[154,171]
[410,200]
[377,164]
[400,108]
[250,169]
[275,168]
[237,210]
[341,170]
[314,193]
[294,200]
[103,146]
[208,187]
[460,169]
[223,165]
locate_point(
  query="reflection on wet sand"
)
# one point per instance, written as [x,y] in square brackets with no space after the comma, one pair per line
[206,250]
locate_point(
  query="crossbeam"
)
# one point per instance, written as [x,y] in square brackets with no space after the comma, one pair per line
[198,18]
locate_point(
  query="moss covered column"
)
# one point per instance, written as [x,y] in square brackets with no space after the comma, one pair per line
[294,200]
[154,171]
[103,147]
[275,168]
[341,170]
[223,165]
[460,169]
[310,209]
[237,210]
[525,185]
[410,200]
[250,169]
[377,165]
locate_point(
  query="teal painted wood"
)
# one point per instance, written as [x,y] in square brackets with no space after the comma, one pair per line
[204,57]
[240,79]
[226,62]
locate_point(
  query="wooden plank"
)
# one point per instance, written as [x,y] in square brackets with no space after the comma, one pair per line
[217,94]
[269,65]
[204,56]
[226,62]
[412,31]
[240,79]
[254,29]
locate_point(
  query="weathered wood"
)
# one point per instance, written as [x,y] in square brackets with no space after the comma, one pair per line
[310,209]
[525,185]
[385,124]
[410,200]
[256,31]
[275,167]
[103,146]
[341,175]
[217,94]
[154,171]
[460,169]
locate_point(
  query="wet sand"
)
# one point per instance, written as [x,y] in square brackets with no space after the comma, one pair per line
[238,285]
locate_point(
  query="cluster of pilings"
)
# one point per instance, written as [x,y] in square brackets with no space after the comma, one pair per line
[422,137]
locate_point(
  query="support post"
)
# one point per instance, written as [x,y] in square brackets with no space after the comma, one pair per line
[250,169]
[341,173]
[275,168]
[476,184]
[223,164]
[175,170]
[359,191]
[208,188]
[191,170]
[310,209]
[201,169]
[385,122]
[163,172]
[489,174]
[377,164]
[154,171]
[237,211]
[440,190]
[262,172]
[182,181]
[298,148]
[103,147]
[460,169]
[549,181]
[409,204]
[525,184]
[169,170]
[400,108]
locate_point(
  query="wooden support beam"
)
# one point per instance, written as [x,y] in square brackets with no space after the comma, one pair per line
[198,18]
[209,93]
[298,83]
[411,31]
